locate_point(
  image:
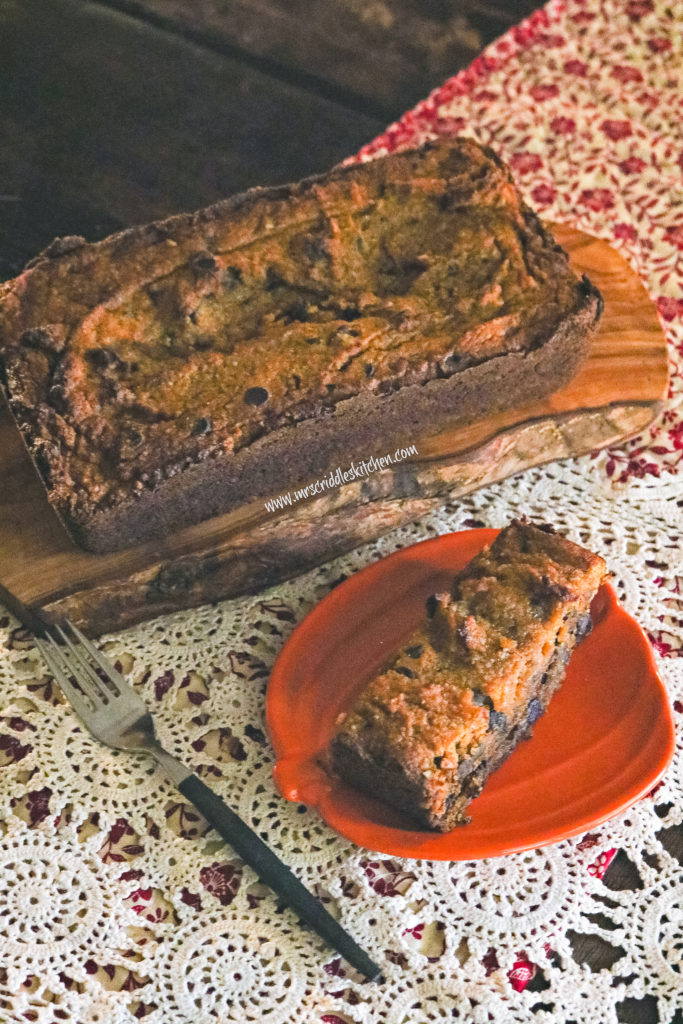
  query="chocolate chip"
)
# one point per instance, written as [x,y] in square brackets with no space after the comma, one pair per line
[415,651]
[546,593]
[312,341]
[369,370]
[349,313]
[438,760]
[450,198]
[57,397]
[202,426]
[407,672]
[534,711]
[232,278]
[431,604]
[256,396]
[155,293]
[203,262]
[133,437]
[451,362]
[315,248]
[295,312]
[482,699]
[45,339]
[273,279]
[497,720]
[102,357]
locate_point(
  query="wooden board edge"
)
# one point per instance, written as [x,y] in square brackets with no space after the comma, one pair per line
[251,548]
[258,558]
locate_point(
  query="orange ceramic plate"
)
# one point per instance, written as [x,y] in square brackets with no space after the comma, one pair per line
[605,741]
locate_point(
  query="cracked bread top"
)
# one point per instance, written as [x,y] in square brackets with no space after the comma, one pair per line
[464,670]
[133,358]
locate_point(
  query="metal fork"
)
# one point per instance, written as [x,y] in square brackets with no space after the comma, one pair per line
[112,711]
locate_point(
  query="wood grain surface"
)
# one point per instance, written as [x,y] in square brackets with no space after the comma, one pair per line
[616,394]
[107,121]
[381,56]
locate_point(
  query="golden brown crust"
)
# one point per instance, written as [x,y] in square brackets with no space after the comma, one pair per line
[455,700]
[202,338]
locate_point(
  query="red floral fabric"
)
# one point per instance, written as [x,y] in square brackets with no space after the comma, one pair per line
[584,100]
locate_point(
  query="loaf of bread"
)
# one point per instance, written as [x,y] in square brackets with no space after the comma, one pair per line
[181,369]
[453,703]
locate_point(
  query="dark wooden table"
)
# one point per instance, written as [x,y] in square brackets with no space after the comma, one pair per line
[118,112]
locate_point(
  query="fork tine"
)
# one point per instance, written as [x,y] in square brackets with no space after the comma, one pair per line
[113,676]
[91,680]
[77,698]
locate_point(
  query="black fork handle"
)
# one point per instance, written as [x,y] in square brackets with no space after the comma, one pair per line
[275,873]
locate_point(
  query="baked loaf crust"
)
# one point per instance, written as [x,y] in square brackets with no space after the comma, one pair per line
[178,370]
[468,685]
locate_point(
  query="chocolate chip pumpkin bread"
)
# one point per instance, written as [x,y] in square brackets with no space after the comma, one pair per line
[178,370]
[452,704]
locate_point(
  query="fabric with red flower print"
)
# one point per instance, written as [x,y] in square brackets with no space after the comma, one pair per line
[584,102]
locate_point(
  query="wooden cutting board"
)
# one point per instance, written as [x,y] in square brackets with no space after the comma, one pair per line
[619,391]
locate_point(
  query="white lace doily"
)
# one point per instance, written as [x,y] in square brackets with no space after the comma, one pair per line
[116,902]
